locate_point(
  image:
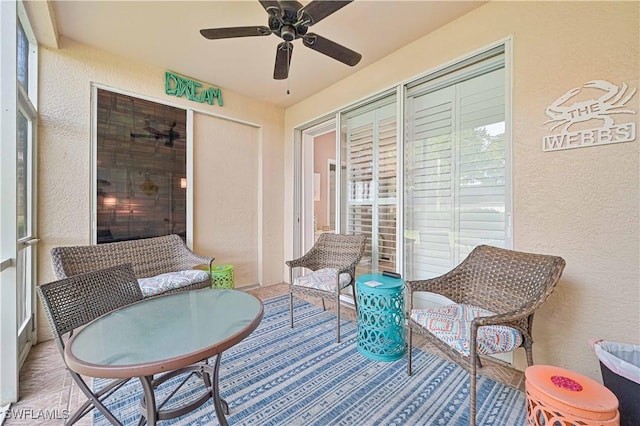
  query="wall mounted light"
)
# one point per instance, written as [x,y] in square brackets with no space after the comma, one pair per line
[183,182]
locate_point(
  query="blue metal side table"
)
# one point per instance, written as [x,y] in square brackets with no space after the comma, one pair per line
[380,317]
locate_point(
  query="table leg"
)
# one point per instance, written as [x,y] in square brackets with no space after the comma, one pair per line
[207,378]
[216,394]
[203,370]
[150,399]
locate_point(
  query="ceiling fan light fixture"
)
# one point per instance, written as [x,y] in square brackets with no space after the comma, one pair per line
[288,33]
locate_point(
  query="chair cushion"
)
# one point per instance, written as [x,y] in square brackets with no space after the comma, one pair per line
[452,325]
[171,280]
[323,279]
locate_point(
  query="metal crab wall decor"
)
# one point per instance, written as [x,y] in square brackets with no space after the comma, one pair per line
[585,109]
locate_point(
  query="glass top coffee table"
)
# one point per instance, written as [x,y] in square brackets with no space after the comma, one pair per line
[166,335]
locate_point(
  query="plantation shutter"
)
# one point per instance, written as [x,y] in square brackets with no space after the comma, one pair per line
[360,178]
[371,152]
[429,160]
[387,184]
[455,168]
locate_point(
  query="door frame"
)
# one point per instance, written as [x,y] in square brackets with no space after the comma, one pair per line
[303,235]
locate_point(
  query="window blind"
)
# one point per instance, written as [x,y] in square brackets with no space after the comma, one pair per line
[372,169]
[455,168]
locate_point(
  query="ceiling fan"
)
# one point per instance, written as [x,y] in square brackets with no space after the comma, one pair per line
[290,20]
[169,135]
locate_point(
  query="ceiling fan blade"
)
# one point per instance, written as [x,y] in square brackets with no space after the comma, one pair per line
[317,10]
[290,5]
[332,49]
[271,6]
[143,135]
[231,32]
[152,130]
[283,61]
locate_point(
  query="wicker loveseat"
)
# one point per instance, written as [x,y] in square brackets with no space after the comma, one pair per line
[161,264]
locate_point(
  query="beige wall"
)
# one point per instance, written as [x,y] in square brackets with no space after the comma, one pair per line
[64,168]
[581,204]
[225,198]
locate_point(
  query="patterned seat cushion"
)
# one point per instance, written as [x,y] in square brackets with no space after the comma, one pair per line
[323,279]
[169,281]
[452,325]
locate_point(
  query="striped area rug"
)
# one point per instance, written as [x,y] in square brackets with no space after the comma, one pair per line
[301,376]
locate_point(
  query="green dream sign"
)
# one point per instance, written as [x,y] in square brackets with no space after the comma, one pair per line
[176,85]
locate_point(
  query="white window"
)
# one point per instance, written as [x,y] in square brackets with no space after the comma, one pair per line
[141,168]
[457,171]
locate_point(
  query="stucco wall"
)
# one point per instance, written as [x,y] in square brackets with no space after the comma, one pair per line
[64,168]
[581,204]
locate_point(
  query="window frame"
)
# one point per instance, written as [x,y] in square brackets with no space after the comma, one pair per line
[17,335]
[94,157]
[505,44]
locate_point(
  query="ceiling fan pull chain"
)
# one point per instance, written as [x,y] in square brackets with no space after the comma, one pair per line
[288,65]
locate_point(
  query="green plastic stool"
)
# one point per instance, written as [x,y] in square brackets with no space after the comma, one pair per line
[222,276]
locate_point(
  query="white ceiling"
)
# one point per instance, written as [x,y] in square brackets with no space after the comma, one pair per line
[166,34]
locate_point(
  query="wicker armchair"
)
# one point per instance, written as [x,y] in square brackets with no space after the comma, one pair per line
[494,290]
[71,303]
[333,260]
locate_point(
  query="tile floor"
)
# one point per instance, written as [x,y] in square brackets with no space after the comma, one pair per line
[45,386]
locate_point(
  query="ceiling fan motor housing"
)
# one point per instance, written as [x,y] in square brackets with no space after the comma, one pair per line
[286,25]
[288,33]
[290,20]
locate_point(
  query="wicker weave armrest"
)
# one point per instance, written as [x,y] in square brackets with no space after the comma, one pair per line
[506,318]
[190,259]
[420,285]
[314,264]
[446,285]
[308,260]
[348,270]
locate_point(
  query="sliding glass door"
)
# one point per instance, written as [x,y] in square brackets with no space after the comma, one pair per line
[18,89]
[26,241]
[457,180]
[430,185]
[369,145]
